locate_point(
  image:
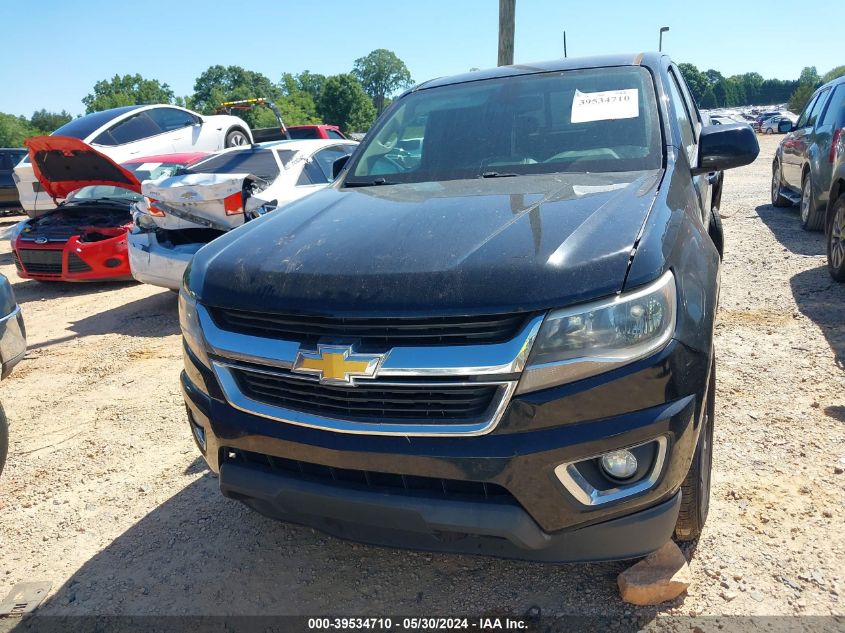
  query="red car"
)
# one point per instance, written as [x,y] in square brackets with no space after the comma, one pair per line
[84,237]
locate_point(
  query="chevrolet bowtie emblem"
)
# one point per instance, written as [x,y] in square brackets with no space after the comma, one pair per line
[337,364]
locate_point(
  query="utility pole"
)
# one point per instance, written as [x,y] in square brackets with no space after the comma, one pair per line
[663,29]
[564,44]
[507,8]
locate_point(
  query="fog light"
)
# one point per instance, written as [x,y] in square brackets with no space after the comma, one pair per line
[619,465]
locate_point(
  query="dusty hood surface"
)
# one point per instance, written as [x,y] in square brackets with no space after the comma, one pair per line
[458,247]
[63,165]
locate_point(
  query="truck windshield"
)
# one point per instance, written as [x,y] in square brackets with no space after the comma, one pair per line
[596,120]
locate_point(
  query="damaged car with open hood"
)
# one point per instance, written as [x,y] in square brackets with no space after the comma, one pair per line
[492,334]
[180,214]
[84,237]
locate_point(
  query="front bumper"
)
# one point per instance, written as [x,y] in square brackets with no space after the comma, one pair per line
[157,265]
[656,397]
[73,260]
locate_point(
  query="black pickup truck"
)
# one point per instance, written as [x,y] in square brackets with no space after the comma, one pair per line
[492,334]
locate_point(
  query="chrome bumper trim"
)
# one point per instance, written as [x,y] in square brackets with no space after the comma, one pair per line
[587,495]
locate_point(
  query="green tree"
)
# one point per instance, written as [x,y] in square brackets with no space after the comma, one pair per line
[344,103]
[296,106]
[696,81]
[47,122]
[800,97]
[832,74]
[14,130]
[809,75]
[752,83]
[713,76]
[126,90]
[233,83]
[708,100]
[311,83]
[381,73]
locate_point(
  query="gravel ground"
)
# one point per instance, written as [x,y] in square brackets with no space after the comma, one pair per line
[104,494]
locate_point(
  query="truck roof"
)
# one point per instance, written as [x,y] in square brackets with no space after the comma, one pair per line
[649,60]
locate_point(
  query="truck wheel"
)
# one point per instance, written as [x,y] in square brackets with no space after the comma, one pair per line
[236,137]
[695,491]
[836,240]
[4,438]
[811,218]
[778,199]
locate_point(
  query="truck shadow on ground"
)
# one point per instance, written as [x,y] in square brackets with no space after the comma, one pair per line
[822,300]
[199,553]
[154,316]
[31,290]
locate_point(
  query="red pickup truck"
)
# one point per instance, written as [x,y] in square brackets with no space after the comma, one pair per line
[261,135]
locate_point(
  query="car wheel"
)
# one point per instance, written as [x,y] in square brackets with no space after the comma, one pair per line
[4,438]
[836,240]
[236,137]
[695,491]
[778,199]
[811,218]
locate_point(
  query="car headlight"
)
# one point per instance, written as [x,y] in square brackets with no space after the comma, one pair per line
[189,321]
[592,338]
[16,230]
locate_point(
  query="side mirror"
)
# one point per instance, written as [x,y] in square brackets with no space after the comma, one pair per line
[724,147]
[785,125]
[338,165]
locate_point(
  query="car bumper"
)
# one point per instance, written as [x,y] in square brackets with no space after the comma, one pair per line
[12,340]
[537,519]
[157,265]
[73,260]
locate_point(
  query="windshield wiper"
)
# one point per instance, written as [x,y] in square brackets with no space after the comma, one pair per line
[495,174]
[372,183]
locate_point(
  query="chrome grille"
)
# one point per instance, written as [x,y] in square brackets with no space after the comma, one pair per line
[369,402]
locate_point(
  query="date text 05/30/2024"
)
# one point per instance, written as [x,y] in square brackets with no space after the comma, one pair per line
[417,624]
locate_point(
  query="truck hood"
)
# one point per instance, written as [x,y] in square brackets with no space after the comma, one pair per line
[459,247]
[63,164]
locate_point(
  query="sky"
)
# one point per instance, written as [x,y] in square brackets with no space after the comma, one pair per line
[56,50]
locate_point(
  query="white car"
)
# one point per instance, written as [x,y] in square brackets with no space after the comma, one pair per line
[132,131]
[180,214]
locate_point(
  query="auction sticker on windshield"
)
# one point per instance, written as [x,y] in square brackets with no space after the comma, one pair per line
[605,106]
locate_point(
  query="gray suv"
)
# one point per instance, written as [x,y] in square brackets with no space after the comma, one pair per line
[802,168]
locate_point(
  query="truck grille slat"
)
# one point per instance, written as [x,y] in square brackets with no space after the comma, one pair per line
[387,483]
[368,402]
[381,332]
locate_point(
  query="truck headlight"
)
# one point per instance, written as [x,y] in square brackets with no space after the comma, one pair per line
[189,321]
[592,338]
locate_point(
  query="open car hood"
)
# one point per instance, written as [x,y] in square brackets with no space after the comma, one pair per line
[63,164]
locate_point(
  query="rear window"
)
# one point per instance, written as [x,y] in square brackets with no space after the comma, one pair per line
[303,133]
[84,126]
[259,163]
[598,120]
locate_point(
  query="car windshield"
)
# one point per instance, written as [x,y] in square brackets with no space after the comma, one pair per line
[151,170]
[597,120]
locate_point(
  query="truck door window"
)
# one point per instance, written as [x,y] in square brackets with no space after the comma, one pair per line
[683,117]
